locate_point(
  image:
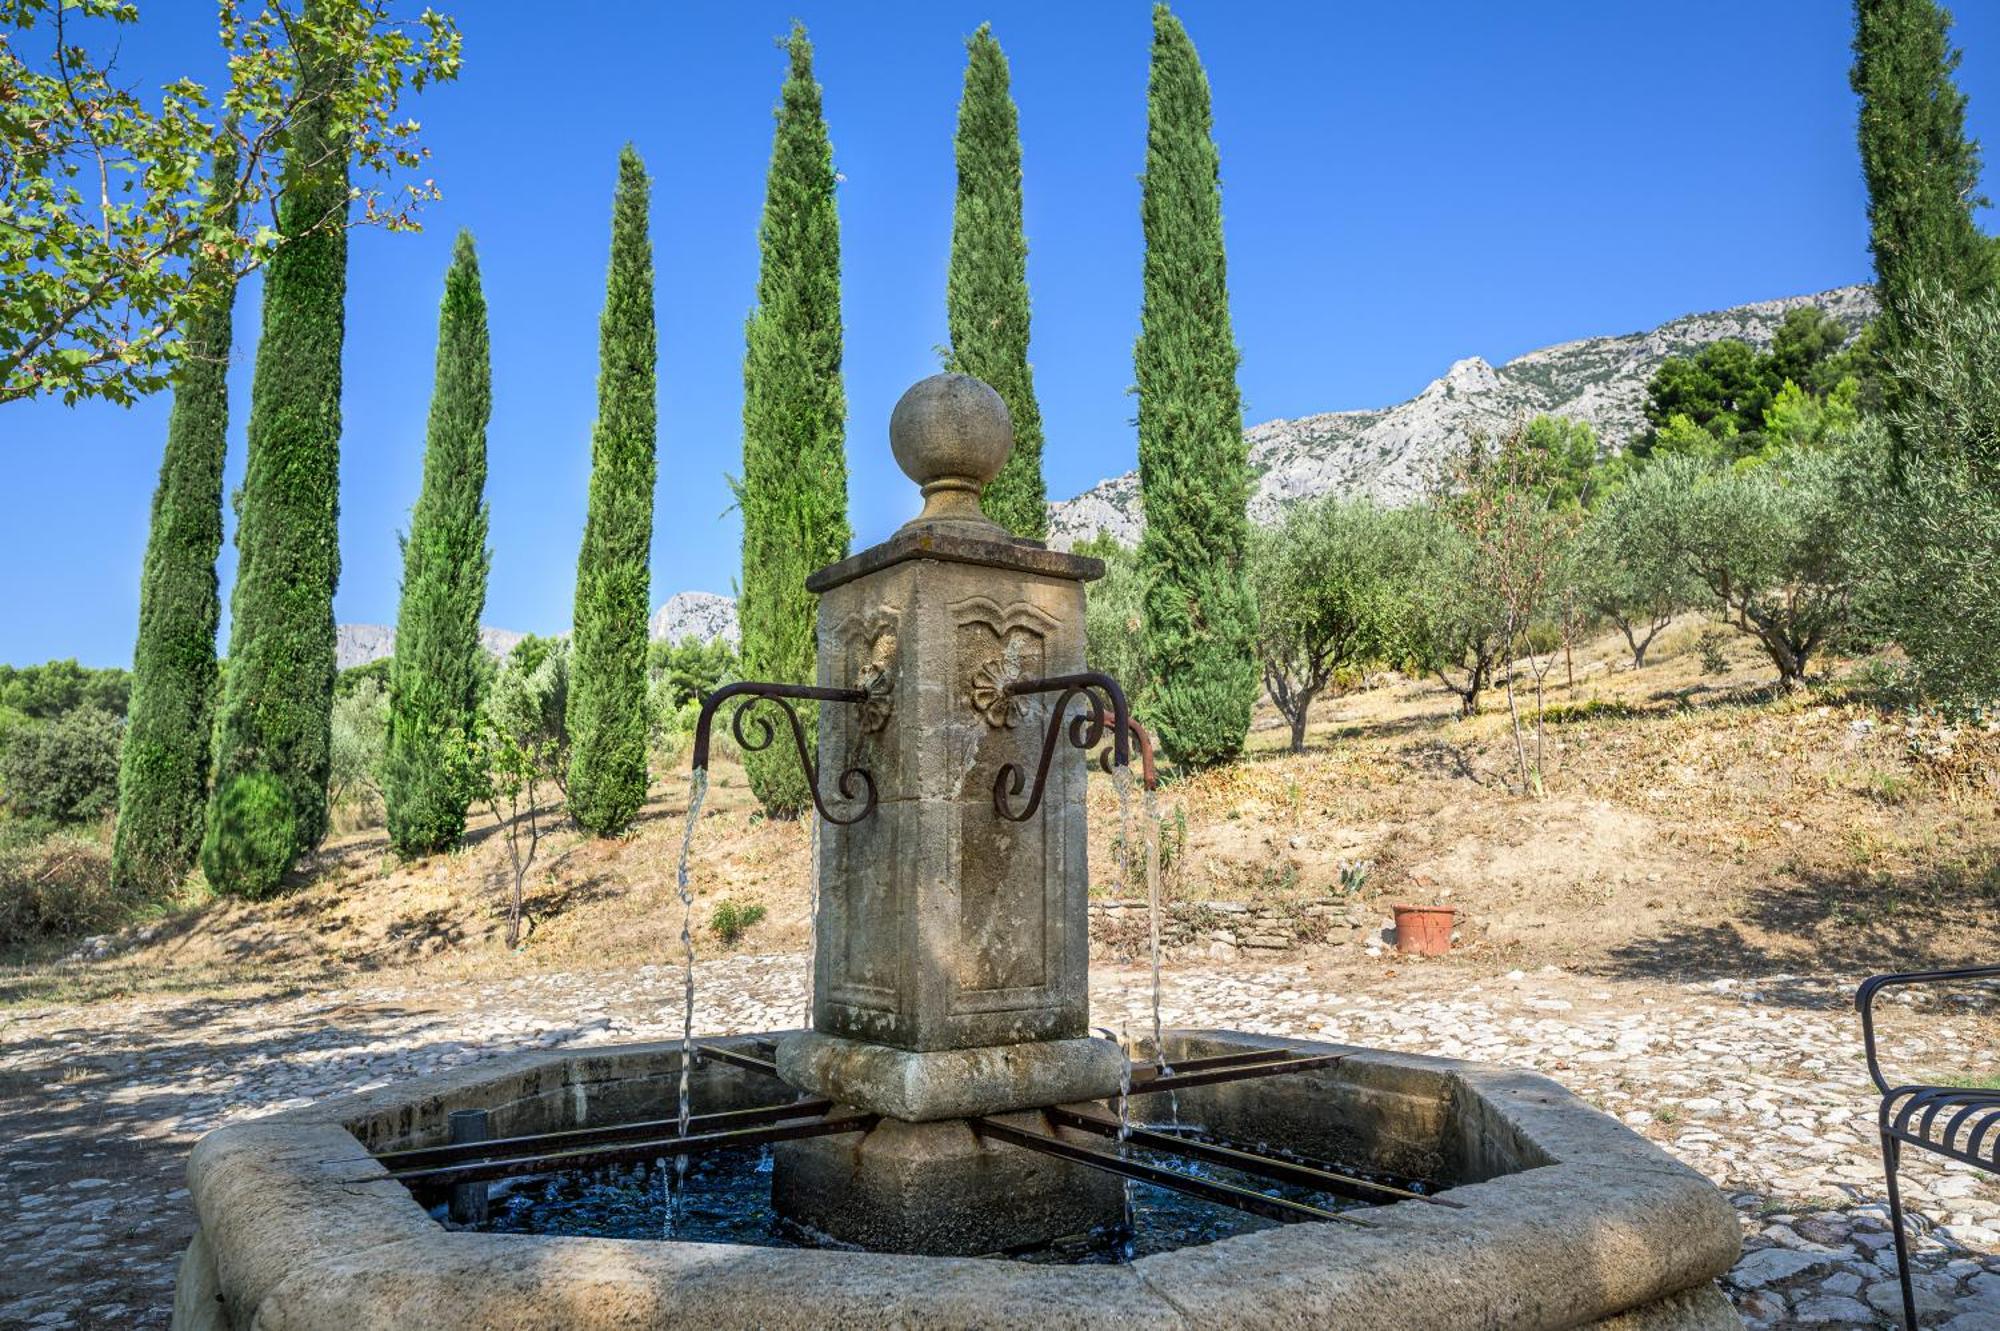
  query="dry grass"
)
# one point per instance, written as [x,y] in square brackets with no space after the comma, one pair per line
[1693,824]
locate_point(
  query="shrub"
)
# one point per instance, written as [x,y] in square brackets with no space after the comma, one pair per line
[251,835]
[57,886]
[731,921]
[65,769]
[1713,660]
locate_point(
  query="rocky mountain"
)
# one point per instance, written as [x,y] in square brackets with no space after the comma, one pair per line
[358,644]
[702,615]
[1391,454]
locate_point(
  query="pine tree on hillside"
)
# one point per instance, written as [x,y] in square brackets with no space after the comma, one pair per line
[274,740]
[793,491]
[1194,478]
[1922,171]
[987,289]
[163,772]
[429,774]
[607,690]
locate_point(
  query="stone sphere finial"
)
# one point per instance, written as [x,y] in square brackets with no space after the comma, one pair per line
[951,435]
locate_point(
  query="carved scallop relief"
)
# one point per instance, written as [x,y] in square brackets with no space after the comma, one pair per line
[871,649]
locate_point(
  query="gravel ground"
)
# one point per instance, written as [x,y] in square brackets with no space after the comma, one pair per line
[1758,1084]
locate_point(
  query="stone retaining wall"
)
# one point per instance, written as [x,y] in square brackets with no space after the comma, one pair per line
[1224,929]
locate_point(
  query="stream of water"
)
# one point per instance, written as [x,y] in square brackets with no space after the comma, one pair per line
[697,793]
[812,908]
[1151,817]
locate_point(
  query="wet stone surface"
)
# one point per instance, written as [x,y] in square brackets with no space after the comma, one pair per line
[1760,1086]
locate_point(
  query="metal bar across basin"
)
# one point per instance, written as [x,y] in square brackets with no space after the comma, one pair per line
[1247,1162]
[737,1058]
[549,1162]
[1149,1070]
[541,1143]
[1180,1081]
[1209,1190]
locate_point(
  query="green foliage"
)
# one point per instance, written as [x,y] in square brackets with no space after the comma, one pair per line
[377,671]
[43,692]
[163,778]
[730,921]
[607,704]
[1806,350]
[361,724]
[1626,568]
[1772,546]
[986,290]
[793,491]
[1571,462]
[107,202]
[1921,169]
[1454,623]
[1935,581]
[1329,596]
[431,773]
[274,724]
[1114,622]
[689,670]
[1798,419]
[64,769]
[58,886]
[528,705]
[1729,402]
[252,836]
[1723,388]
[1201,618]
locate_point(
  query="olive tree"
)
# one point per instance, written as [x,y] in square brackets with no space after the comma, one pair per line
[1772,546]
[1626,568]
[1327,597]
[1934,580]
[1454,626]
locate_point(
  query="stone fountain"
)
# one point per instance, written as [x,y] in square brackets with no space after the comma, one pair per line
[949,1105]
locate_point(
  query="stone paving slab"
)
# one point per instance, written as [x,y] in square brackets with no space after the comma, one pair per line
[1760,1086]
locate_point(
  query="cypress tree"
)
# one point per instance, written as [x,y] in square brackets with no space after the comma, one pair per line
[163,773]
[1922,172]
[434,677]
[987,289]
[607,692]
[1194,474]
[274,738]
[793,491]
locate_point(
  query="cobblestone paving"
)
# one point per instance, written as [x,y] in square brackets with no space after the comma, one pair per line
[1759,1085]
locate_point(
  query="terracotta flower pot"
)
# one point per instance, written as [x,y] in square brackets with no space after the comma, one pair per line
[1424,931]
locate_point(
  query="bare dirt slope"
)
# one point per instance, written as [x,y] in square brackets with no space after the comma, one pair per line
[1691,825]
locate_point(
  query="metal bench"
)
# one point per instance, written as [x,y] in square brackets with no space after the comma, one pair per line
[1958,1122]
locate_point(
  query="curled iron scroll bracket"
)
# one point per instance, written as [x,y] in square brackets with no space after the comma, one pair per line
[756,732]
[1084,729]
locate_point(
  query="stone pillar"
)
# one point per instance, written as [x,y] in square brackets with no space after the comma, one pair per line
[953,947]
[950,979]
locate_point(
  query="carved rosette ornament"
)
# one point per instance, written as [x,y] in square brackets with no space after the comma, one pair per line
[989,697]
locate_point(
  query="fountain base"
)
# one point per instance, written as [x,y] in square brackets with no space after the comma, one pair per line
[1557,1216]
[937,1189]
[932,1085]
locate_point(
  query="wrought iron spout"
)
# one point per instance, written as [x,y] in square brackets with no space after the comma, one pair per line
[1086,728]
[1149,776]
[780,695]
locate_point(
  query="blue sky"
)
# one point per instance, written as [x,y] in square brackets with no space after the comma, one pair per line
[1404,185]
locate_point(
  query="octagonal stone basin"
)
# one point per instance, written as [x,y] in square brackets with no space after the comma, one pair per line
[1567,1218]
